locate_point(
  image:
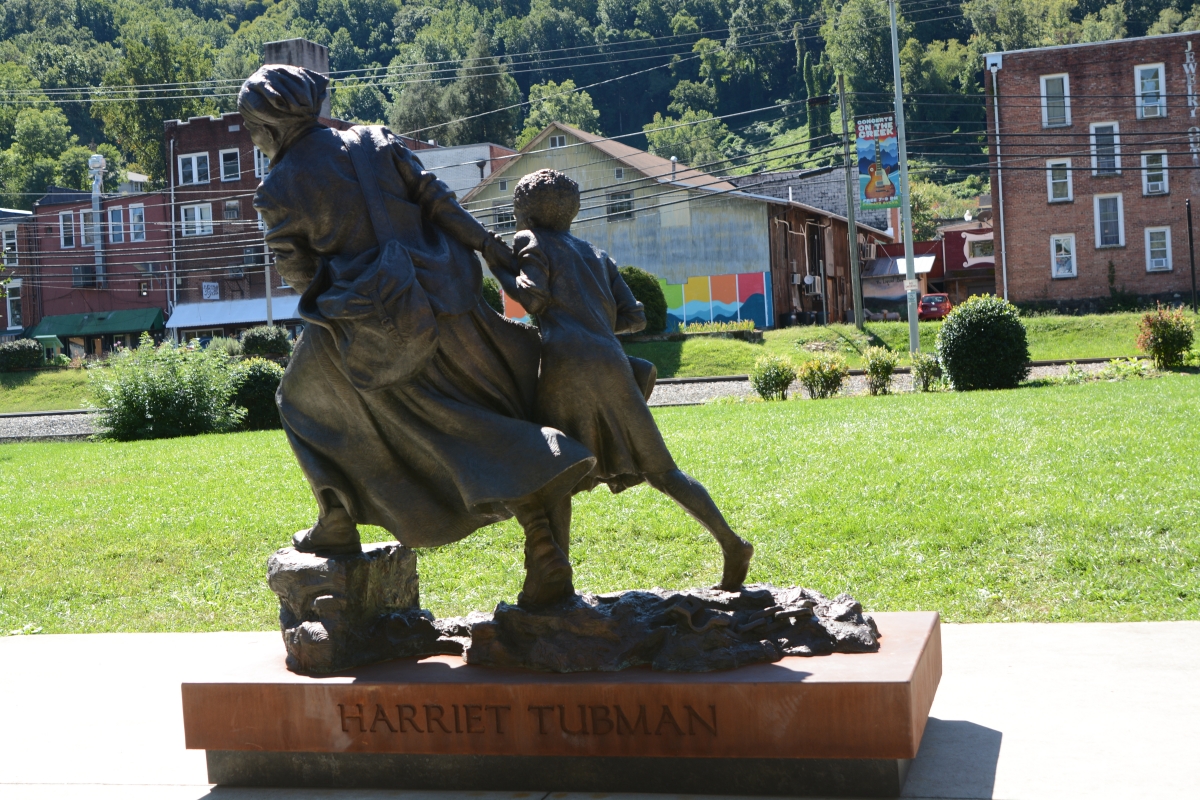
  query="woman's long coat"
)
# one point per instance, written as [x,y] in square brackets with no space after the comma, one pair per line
[435,457]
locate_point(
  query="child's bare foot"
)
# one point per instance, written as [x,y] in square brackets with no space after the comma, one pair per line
[737,564]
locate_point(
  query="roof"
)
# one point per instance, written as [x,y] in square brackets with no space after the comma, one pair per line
[58,195]
[889,266]
[1091,44]
[232,312]
[650,165]
[14,215]
[655,167]
[97,323]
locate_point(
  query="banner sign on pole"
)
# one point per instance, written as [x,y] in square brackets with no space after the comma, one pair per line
[877,152]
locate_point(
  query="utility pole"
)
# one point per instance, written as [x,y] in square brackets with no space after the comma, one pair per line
[910,275]
[1191,251]
[851,202]
[96,169]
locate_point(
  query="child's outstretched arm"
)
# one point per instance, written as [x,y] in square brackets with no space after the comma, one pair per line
[631,314]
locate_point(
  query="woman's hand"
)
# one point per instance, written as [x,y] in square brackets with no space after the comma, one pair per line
[497,254]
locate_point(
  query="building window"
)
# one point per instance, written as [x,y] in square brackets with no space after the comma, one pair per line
[504,219]
[1106,149]
[10,248]
[558,141]
[233,209]
[12,302]
[116,225]
[137,223]
[1058,181]
[503,185]
[90,227]
[193,168]
[619,173]
[1110,221]
[262,164]
[231,165]
[197,220]
[66,229]
[983,248]
[1154,172]
[1158,249]
[1056,101]
[1148,85]
[1062,255]
[620,205]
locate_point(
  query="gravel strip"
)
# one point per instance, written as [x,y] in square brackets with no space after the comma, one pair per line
[47,427]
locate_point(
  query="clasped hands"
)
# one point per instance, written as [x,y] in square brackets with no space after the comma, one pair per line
[500,257]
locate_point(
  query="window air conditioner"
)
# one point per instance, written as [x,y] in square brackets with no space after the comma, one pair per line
[1152,111]
[1155,187]
[1158,264]
[811,285]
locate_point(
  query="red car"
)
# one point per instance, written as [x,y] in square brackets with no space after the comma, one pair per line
[934,306]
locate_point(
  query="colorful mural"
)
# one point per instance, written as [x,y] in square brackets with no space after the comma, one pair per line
[716,298]
[719,298]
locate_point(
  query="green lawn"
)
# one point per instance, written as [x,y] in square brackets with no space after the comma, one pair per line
[1053,503]
[44,390]
[1051,337]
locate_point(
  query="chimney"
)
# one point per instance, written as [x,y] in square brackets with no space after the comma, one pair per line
[300,53]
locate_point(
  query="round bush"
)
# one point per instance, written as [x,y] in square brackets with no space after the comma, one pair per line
[256,380]
[491,294]
[926,372]
[266,340]
[20,354]
[823,375]
[879,363]
[647,290]
[982,345]
[771,376]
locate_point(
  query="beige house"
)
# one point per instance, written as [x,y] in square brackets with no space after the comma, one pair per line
[712,246]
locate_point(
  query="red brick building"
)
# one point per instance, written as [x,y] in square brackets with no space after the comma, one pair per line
[1098,149]
[94,298]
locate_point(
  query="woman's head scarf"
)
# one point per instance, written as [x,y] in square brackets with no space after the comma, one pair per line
[281,95]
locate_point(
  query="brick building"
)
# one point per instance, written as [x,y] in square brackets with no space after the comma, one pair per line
[1098,149]
[91,282]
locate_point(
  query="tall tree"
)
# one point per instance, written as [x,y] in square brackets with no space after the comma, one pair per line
[135,122]
[558,102]
[481,104]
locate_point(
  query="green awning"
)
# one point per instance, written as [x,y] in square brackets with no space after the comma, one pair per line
[98,323]
[49,340]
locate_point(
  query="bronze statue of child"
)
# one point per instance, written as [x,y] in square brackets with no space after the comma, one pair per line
[587,387]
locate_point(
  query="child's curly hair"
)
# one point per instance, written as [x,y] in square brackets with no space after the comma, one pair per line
[546,199]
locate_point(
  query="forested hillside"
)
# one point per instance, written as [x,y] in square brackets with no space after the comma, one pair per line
[722,84]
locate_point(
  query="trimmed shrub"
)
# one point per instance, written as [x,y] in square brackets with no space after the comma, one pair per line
[271,341]
[1166,335]
[161,392]
[649,293]
[771,376]
[255,382]
[20,354]
[926,372]
[227,345]
[879,363]
[491,294]
[982,345]
[823,375]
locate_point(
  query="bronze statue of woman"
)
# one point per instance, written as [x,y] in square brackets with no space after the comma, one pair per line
[407,401]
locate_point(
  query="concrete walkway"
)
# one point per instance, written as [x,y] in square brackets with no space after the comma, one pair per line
[1024,712]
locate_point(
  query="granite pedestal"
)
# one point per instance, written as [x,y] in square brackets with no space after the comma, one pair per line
[843,724]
